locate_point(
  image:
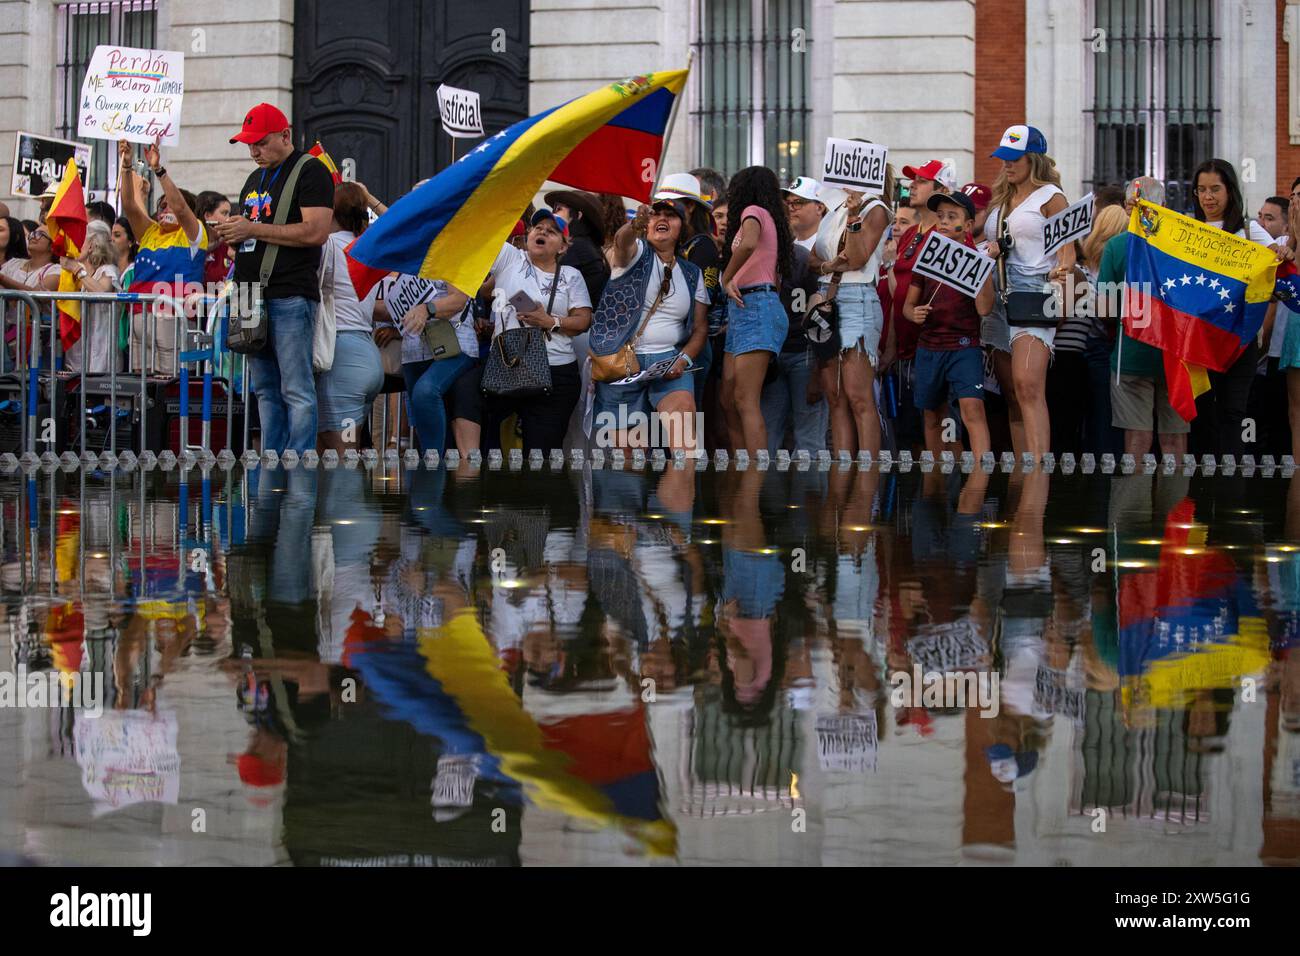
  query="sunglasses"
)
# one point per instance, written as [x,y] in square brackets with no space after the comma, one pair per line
[666,287]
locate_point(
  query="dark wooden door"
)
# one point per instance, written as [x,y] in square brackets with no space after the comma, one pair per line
[366,75]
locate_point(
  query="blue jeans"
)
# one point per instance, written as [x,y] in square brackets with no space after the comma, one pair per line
[786,396]
[426,382]
[281,377]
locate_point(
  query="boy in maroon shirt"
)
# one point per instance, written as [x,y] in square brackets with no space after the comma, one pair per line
[948,355]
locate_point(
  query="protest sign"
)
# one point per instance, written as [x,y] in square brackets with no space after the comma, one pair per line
[408,291]
[953,263]
[132,94]
[1068,224]
[462,116]
[854,165]
[39,162]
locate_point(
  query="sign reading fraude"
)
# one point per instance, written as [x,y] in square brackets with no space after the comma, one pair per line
[1067,225]
[953,264]
[855,165]
[132,94]
[39,162]
[462,116]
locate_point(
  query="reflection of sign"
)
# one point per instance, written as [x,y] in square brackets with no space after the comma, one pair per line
[949,648]
[461,115]
[1053,696]
[847,742]
[953,263]
[1068,224]
[132,94]
[454,784]
[39,163]
[129,756]
[854,165]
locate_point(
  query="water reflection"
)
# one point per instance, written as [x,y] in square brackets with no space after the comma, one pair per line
[365,667]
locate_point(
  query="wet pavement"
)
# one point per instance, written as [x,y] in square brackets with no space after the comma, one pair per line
[354,667]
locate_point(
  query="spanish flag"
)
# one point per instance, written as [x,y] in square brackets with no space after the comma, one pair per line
[66,224]
[319,152]
[452,227]
[1197,293]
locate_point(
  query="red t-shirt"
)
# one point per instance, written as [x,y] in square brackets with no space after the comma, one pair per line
[905,333]
[953,322]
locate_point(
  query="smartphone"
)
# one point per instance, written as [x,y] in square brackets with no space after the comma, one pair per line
[523,302]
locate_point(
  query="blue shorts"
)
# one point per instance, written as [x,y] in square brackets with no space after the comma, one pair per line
[644,396]
[958,373]
[760,325]
[754,581]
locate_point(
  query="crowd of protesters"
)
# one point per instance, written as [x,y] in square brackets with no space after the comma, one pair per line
[779,316]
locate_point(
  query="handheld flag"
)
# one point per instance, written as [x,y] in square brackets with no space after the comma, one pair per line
[452,227]
[1196,292]
[319,152]
[66,224]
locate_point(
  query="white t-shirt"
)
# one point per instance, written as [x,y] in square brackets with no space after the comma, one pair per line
[667,326]
[1253,231]
[514,272]
[807,243]
[1026,225]
[351,314]
[826,243]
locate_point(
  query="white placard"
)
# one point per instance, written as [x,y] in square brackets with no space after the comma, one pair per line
[853,165]
[953,263]
[1068,224]
[847,742]
[132,94]
[406,293]
[39,162]
[462,117]
[128,756]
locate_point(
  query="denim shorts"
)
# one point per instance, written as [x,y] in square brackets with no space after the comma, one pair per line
[956,372]
[760,325]
[862,320]
[352,382]
[754,581]
[644,396]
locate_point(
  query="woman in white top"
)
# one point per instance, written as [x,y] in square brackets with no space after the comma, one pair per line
[1218,429]
[1026,194]
[345,393]
[535,271]
[95,271]
[850,242]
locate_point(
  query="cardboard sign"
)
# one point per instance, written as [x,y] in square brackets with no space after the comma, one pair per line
[409,291]
[39,162]
[462,117]
[132,94]
[853,165]
[953,263]
[1068,224]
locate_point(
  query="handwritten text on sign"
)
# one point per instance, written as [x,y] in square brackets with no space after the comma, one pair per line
[461,114]
[854,165]
[132,94]
[1067,225]
[954,264]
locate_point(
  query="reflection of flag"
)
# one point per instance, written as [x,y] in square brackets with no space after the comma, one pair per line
[1197,293]
[66,224]
[453,226]
[319,152]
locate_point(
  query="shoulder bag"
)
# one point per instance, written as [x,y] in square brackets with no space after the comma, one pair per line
[1024,309]
[440,335]
[623,363]
[517,365]
[325,329]
[249,330]
[822,325]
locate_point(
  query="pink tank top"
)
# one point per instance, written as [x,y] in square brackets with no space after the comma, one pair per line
[760,268]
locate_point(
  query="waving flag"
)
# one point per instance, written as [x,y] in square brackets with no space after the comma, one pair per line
[327,161]
[66,224]
[1197,293]
[453,226]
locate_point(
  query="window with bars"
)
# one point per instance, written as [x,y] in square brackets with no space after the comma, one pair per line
[1153,92]
[81,28]
[752,107]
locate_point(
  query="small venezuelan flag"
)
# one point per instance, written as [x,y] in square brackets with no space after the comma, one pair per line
[1197,293]
[452,227]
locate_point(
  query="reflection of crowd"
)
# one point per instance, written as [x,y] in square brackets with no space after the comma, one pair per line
[751,597]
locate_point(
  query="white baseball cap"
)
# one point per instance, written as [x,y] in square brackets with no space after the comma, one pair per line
[805,187]
[682,186]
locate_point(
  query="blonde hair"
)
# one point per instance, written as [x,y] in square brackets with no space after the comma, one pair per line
[1042,172]
[97,250]
[1110,222]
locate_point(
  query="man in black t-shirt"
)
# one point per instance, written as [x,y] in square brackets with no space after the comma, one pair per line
[281,374]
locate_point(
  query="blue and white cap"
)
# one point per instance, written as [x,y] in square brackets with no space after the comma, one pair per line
[1019,140]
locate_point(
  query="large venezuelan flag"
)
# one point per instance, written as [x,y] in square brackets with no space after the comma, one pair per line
[452,227]
[1197,293]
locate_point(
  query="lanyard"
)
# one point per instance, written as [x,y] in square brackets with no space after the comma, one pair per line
[263,185]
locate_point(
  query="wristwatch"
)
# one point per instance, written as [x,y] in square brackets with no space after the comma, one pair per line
[160,172]
[555,327]
[855,226]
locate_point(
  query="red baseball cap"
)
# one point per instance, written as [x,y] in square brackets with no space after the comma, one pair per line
[979,194]
[935,171]
[262,120]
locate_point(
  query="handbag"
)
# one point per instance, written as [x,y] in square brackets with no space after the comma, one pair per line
[325,328]
[517,365]
[1029,310]
[440,336]
[249,330]
[822,326]
[622,363]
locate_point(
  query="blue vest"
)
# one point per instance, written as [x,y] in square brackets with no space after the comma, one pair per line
[618,317]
